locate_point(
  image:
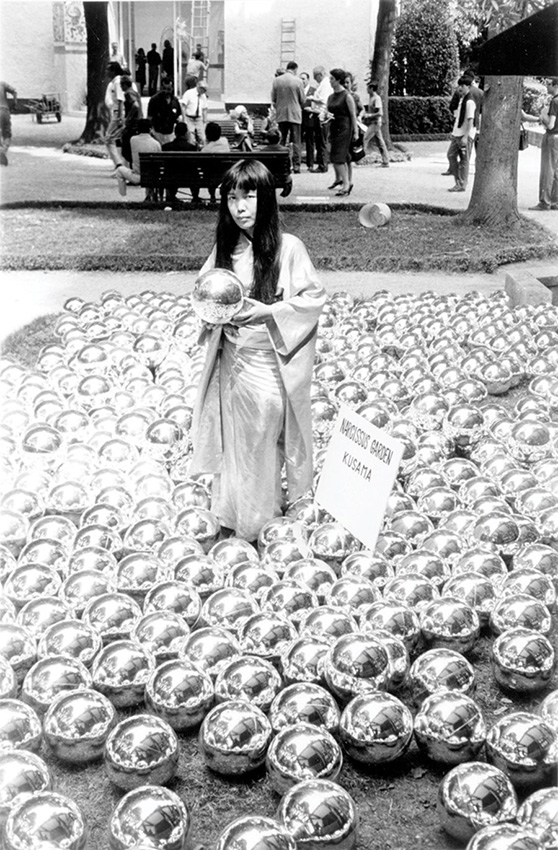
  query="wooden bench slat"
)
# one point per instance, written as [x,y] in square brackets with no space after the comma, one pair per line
[168,169]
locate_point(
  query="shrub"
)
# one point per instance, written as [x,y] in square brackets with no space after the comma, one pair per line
[419,116]
[425,58]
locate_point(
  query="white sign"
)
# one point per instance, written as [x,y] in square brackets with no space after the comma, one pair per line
[359,470]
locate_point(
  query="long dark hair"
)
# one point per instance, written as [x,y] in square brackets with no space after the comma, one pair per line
[250,175]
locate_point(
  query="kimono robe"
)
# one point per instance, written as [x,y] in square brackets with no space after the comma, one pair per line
[253,410]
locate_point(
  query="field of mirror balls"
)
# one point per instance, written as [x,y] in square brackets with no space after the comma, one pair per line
[161,687]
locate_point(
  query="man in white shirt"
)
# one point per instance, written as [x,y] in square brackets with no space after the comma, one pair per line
[321,127]
[462,136]
[194,109]
[142,143]
[114,100]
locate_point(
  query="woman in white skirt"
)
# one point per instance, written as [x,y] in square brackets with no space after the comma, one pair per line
[253,416]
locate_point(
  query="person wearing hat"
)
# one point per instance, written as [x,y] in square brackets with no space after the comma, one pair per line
[194,109]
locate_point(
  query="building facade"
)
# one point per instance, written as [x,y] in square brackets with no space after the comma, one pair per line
[43,44]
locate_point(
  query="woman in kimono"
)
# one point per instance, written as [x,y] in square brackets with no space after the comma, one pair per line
[252,415]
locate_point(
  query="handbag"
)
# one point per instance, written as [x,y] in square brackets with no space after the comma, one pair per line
[523,141]
[357,148]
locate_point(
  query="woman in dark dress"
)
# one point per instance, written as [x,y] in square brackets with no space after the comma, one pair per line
[343,130]
[141,61]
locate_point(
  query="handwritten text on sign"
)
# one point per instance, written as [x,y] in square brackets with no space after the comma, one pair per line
[359,470]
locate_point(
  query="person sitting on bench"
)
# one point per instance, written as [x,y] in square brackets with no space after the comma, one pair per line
[215,143]
[181,142]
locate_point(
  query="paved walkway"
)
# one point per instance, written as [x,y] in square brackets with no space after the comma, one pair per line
[39,170]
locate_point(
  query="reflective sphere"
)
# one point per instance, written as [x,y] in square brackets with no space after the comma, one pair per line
[539,814]
[71,638]
[217,297]
[21,774]
[328,622]
[229,607]
[20,727]
[376,728]
[266,635]
[77,724]
[394,617]
[548,710]
[474,795]
[234,737]
[112,615]
[450,728]
[304,702]
[303,659]
[175,596]
[248,678]
[522,660]
[440,670]
[141,749]
[319,813]
[521,745]
[356,663]
[302,751]
[51,676]
[450,622]
[45,820]
[162,633]
[521,610]
[180,693]
[210,648]
[253,832]
[121,670]
[149,816]
[504,836]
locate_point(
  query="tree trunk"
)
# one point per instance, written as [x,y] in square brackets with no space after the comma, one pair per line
[385,27]
[96,22]
[494,196]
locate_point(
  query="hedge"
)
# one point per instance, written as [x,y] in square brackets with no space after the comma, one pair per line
[419,115]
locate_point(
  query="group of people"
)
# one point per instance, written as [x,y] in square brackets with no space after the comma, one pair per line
[328,118]
[153,68]
[466,107]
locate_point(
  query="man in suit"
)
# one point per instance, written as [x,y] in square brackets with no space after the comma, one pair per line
[308,120]
[287,96]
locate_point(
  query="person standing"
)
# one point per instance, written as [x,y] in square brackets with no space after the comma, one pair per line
[548,180]
[114,100]
[252,414]
[344,130]
[153,63]
[165,111]
[287,96]
[373,133]
[321,124]
[167,61]
[194,109]
[141,62]
[308,120]
[132,115]
[115,54]
[462,136]
[6,120]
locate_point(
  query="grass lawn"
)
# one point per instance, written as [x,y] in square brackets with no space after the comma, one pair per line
[86,238]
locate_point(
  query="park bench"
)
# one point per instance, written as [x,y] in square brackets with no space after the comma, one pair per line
[197,170]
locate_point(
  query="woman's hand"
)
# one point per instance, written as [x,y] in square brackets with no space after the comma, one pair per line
[252,312]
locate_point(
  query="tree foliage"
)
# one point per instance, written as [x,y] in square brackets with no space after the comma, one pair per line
[425,57]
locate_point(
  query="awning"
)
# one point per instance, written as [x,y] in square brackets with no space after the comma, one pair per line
[530,48]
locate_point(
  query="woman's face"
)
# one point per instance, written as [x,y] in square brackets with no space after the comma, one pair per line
[243,207]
